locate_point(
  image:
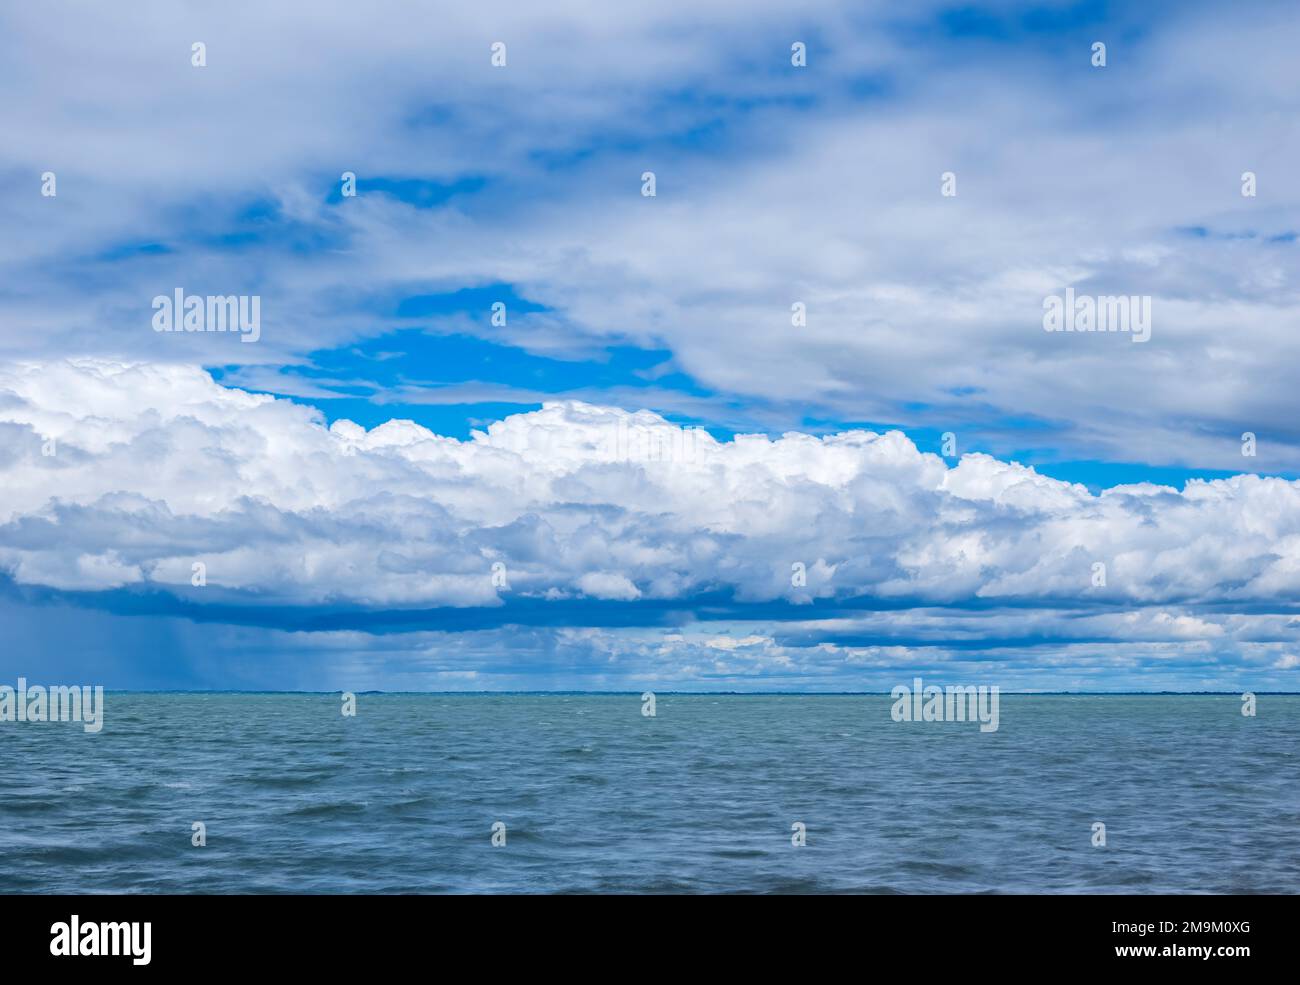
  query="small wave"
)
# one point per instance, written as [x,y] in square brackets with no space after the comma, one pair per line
[336,809]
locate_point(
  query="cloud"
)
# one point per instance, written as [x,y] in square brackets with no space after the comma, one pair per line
[634,548]
[61,642]
[155,468]
[776,185]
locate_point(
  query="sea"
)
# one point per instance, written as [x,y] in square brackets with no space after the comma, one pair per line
[713,793]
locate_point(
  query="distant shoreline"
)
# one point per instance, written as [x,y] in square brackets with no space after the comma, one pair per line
[708,694]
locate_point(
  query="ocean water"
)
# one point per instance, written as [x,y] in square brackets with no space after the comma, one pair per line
[595,797]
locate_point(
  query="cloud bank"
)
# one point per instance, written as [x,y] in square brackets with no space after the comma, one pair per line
[591,542]
[776,185]
[119,475]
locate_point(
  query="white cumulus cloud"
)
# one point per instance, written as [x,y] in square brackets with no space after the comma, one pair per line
[156,467]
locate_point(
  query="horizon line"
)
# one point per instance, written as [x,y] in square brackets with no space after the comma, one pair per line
[738,694]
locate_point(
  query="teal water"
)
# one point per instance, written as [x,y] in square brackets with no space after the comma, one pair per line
[596,797]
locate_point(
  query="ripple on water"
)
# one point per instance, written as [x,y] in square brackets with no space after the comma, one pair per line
[596,798]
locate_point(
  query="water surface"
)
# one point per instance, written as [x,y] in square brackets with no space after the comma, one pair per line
[596,797]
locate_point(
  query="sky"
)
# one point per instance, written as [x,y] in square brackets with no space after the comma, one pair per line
[508,421]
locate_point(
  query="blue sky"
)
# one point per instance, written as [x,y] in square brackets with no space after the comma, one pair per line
[647,441]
